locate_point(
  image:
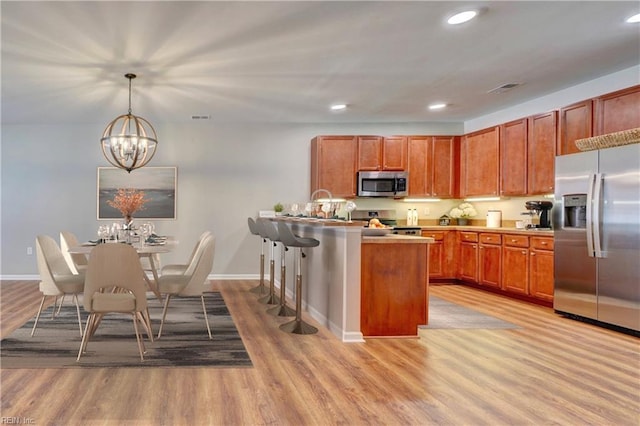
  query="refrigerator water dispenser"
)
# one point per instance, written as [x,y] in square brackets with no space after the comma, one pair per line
[575,210]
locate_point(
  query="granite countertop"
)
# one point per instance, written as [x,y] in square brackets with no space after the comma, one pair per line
[395,239]
[502,230]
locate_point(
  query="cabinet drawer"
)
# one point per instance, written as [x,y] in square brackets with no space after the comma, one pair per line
[542,243]
[469,237]
[490,238]
[438,236]
[516,240]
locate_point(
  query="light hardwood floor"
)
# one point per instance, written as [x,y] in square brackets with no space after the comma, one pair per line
[550,371]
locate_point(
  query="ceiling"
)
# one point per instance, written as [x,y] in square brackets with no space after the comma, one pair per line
[64,62]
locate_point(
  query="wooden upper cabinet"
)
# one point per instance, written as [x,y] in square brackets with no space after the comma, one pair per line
[394,153]
[444,164]
[513,157]
[376,153]
[617,111]
[541,153]
[480,163]
[369,153]
[333,165]
[575,122]
[419,178]
[433,166]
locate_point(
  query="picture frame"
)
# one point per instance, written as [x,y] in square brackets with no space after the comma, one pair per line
[158,183]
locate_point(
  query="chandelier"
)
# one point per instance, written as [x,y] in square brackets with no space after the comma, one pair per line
[129,142]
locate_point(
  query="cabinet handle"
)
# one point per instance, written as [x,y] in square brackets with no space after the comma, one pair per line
[544,243]
[513,241]
[533,253]
[524,252]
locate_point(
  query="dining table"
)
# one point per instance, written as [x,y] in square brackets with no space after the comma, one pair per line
[146,250]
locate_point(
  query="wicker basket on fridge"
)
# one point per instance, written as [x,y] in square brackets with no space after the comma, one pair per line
[624,137]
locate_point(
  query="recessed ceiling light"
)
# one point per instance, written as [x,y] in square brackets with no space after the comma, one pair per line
[634,19]
[462,17]
[338,107]
[439,105]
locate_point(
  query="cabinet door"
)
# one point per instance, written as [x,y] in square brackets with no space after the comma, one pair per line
[443,162]
[333,165]
[576,122]
[490,263]
[618,111]
[515,273]
[513,158]
[417,166]
[436,254]
[394,153]
[479,158]
[541,274]
[469,262]
[541,153]
[369,153]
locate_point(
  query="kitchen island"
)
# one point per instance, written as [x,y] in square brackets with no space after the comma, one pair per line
[332,277]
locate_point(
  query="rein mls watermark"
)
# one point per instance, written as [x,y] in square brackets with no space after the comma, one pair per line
[17,421]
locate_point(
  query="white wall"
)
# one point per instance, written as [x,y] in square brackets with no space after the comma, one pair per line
[226,172]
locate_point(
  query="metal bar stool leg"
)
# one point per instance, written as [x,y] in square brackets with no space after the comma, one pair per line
[282,310]
[261,289]
[297,326]
[271,298]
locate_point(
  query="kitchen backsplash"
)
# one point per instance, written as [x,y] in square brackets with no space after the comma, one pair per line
[511,208]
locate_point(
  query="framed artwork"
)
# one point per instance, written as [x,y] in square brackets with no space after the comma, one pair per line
[157,183]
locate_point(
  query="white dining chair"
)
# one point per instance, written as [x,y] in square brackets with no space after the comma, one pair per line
[191,282]
[56,278]
[178,269]
[77,262]
[115,283]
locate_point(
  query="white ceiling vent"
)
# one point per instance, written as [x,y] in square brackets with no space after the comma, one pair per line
[504,88]
[201,117]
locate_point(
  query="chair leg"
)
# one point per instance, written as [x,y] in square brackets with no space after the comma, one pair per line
[260,288]
[35,324]
[138,339]
[271,298]
[146,322]
[85,336]
[75,298]
[206,319]
[60,305]
[164,314]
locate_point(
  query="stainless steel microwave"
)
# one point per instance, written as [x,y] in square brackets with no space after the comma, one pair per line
[382,184]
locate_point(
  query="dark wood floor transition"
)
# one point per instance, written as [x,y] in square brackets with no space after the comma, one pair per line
[550,370]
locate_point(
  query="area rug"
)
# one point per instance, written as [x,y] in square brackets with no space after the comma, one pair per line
[444,314]
[184,341]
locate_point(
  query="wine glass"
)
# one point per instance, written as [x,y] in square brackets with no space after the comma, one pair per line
[145,232]
[103,232]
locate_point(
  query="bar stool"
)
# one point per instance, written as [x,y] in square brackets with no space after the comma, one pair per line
[282,310]
[288,238]
[271,298]
[254,229]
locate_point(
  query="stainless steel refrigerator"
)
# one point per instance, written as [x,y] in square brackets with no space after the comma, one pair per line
[596,221]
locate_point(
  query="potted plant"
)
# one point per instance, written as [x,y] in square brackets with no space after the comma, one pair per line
[463,212]
[278,208]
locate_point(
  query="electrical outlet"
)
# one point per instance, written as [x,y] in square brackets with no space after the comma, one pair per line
[425,210]
[29,251]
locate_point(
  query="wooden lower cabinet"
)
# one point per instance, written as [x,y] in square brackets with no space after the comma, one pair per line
[394,287]
[490,260]
[515,258]
[442,258]
[541,268]
[468,256]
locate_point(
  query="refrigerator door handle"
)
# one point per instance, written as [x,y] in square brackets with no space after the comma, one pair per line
[590,190]
[597,209]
